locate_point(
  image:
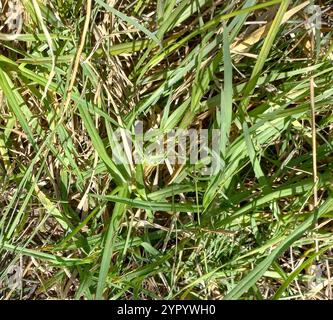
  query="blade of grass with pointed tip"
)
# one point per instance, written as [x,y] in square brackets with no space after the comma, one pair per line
[264,52]
[15,102]
[226,93]
[109,242]
[99,146]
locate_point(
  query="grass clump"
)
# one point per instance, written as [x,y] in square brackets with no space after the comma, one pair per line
[77,223]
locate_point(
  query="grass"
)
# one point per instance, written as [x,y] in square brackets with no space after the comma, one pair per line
[77,224]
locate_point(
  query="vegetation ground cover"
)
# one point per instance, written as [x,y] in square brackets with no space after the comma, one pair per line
[75,224]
